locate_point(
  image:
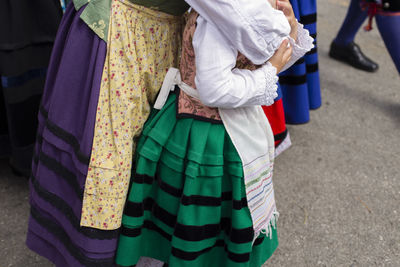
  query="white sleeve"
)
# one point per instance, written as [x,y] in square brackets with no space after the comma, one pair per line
[303,44]
[253,27]
[218,82]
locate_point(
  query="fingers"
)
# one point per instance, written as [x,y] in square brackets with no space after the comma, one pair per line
[282,55]
[284,46]
[285,51]
[280,4]
[287,54]
[285,7]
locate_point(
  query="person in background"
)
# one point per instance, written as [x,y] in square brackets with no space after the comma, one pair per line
[27,33]
[300,85]
[387,14]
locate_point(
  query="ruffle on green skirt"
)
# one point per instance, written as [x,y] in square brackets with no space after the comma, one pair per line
[187,203]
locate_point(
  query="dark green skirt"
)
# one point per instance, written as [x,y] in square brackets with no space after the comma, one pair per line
[187,203]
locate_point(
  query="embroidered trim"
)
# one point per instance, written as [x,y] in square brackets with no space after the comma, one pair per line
[271,80]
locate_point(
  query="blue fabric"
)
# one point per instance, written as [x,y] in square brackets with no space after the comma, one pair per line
[63,5]
[300,84]
[389,28]
[279,91]
[354,19]
[15,81]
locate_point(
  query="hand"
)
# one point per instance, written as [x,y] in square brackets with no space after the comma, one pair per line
[281,56]
[286,8]
[273,3]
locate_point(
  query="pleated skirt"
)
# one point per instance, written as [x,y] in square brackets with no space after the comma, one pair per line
[300,84]
[187,202]
[62,151]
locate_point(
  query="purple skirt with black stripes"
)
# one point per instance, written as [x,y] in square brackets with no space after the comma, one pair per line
[62,151]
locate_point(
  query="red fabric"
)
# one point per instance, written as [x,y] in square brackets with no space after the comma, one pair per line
[276,118]
[372,9]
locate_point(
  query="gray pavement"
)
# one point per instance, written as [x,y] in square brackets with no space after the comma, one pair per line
[337,188]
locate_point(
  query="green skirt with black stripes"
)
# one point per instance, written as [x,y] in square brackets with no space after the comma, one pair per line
[187,202]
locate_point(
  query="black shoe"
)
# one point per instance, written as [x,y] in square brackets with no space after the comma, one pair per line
[352,55]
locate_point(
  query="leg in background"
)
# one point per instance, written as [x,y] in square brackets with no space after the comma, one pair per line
[389,28]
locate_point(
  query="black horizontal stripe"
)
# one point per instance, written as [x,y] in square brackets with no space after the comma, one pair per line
[243,257]
[198,233]
[312,51]
[176,192]
[135,232]
[188,232]
[213,201]
[136,209]
[184,255]
[281,136]
[62,171]
[292,79]
[20,80]
[201,201]
[236,257]
[74,250]
[64,208]
[312,68]
[259,240]
[131,232]
[143,179]
[66,137]
[151,226]
[188,256]
[240,204]
[308,19]
[300,61]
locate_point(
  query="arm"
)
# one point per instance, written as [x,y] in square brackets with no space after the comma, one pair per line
[301,46]
[218,82]
[253,27]
[299,38]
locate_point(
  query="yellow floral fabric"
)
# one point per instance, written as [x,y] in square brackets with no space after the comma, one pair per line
[142,45]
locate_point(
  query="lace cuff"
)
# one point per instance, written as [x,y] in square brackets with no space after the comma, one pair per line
[301,47]
[269,85]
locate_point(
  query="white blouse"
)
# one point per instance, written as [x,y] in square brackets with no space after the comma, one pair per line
[220,84]
[253,27]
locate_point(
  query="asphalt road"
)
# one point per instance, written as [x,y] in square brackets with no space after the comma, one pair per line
[337,188]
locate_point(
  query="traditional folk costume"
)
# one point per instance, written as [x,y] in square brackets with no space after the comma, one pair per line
[108,63]
[387,14]
[300,84]
[27,33]
[202,193]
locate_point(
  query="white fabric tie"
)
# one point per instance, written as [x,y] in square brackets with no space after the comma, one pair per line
[172,78]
